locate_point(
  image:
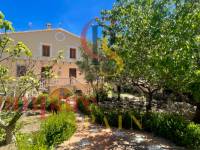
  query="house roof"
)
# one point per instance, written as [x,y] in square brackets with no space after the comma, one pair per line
[45,30]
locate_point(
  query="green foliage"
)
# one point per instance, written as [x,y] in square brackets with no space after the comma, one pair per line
[192,135]
[11,50]
[97,112]
[194,86]
[4,24]
[173,127]
[157,40]
[103,94]
[43,98]
[54,103]
[58,128]
[2,135]
[127,120]
[55,100]
[82,104]
[96,71]
[170,126]
[47,72]
[113,115]
[87,66]
[66,107]
[26,141]
[54,130]
[3,71]
[19,50]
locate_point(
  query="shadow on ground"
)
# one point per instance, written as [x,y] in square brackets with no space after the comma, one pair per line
[94,137]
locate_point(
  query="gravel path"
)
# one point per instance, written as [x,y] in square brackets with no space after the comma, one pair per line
[94,137]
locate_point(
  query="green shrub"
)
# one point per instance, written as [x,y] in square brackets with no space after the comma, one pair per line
[66,107]
[41,97]
[20,103]
[171,126]
[112,117]
[54,104]
[192,136]
[103,95]
[83,104]
[97,113]
[38,102]
[58,128]
[54,130]
[30,142]
[127,121]
[54,100]
[2,136]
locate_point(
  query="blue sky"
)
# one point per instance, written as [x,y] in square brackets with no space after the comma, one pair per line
[71,15]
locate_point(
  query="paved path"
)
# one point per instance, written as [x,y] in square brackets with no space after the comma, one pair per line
[94,137]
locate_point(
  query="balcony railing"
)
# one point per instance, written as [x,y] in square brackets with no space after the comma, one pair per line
[62,81]
[59,82]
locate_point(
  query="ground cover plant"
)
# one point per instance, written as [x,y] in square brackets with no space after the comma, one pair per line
[53,131]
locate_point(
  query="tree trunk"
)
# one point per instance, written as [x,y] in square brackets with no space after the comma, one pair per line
[118,92]
[9,134]
[10,128]
[197,114]
[97,92]
[97,97]
[149,102]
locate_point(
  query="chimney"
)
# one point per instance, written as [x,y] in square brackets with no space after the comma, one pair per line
[49,25]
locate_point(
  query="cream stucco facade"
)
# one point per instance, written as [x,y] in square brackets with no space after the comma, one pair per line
[56,39]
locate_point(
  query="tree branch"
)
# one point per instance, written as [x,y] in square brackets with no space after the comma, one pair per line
[3,47]
[6,58]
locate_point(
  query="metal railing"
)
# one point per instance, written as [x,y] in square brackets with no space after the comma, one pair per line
[55,82]
[60,82]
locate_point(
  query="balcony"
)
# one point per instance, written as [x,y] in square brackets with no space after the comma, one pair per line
[58,82]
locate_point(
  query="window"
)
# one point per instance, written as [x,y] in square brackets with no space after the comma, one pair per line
[72,72]
[21,70]
[72,53]
[46,50]
[45,71]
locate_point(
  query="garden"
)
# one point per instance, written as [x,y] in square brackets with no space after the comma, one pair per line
[144,75]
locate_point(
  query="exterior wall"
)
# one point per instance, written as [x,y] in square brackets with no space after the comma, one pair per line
[35,39]
[58,39]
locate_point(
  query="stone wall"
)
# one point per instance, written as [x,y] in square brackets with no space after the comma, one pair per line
[139,104]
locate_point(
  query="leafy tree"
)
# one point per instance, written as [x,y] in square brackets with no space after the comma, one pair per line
[91,71]
[10,51]
[97,72]
[156,40]
[131,33]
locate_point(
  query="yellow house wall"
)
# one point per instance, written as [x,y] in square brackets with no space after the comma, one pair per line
[35,39]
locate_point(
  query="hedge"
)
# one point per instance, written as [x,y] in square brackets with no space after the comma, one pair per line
[53,131]
[170,126]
